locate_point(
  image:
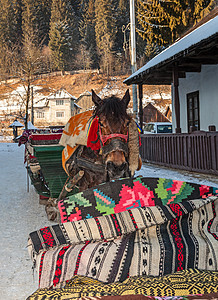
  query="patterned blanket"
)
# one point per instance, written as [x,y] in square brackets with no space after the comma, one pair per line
[154,241]
[74,134]
[117,196]
[181,283]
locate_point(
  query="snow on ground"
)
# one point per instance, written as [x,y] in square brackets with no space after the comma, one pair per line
[150,170]
[22,214]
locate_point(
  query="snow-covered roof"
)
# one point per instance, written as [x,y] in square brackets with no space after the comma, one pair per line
[16,124]
[61,94]
[40,103]
[77,105]
[30,125]
[182,46]
[86,93]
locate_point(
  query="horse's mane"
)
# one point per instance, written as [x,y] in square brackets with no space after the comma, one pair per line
[112,107]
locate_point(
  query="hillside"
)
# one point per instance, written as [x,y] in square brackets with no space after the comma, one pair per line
[76,84]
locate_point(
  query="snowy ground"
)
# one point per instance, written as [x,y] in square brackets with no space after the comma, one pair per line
[22,214]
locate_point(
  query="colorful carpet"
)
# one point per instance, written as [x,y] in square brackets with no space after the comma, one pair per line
[120,195]
[153,241]
[174,286]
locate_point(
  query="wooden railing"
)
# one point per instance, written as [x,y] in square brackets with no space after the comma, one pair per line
[193,152]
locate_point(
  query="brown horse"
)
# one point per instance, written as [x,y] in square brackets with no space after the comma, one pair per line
[113,144]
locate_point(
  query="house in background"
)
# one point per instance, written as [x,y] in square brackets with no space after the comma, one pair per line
[85,101]
[191,66]
[56,109]
[152,114]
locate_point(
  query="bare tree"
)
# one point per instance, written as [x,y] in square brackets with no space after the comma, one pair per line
[26,63]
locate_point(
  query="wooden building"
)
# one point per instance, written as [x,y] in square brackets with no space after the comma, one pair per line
[85,101]
[190,65]
[152,114]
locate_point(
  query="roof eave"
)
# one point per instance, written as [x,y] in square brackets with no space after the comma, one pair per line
[161,73]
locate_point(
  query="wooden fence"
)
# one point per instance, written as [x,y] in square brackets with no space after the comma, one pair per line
[193,152]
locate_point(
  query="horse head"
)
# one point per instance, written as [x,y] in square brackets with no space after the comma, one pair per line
[113,122]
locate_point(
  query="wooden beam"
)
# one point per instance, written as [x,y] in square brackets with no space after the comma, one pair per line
[202,59]
[140,106]
[189,68]
[176,97]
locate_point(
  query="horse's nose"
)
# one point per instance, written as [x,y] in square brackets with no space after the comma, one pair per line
[116,169]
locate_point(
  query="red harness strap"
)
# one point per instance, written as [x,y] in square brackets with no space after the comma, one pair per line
[105,138]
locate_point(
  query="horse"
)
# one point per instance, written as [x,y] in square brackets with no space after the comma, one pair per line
[111,148]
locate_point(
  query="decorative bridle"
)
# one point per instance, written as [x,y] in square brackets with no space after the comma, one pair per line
[118,142]
[98,141]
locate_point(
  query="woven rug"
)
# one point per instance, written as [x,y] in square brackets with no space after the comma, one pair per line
[186,282]
[117,196]
[152,241]
[44,139]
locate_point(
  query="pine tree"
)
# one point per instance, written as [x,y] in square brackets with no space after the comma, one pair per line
[10,33]
[122,19]
[30,26]
[36,19]
[43,18]
[87,35]
[105,30]
[62,35]
[162,22]
[152,22]
[9,22]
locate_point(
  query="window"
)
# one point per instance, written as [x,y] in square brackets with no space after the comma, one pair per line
[60,102]
[149,127]
[59,114]
[193,111]
[40,114]
[164,129]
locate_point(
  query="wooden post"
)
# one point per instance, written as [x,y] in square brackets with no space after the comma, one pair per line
[133,56]
[32,109]
[27,178]
[140,106]
[176,97]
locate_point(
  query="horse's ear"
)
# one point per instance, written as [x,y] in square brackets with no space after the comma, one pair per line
[97,100]
[126,98]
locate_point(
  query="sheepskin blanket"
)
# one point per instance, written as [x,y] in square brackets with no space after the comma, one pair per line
[117,196]
[154,241]
[181,283]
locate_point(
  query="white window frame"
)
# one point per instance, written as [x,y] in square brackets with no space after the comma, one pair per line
[60,114]
[59,101]
[40,114]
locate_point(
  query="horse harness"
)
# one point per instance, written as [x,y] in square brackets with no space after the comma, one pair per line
[118,142]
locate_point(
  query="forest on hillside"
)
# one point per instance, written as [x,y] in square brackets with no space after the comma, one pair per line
[38,36]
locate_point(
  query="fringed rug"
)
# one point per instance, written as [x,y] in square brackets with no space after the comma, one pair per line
[120,195]
[181,283]
[154,241]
